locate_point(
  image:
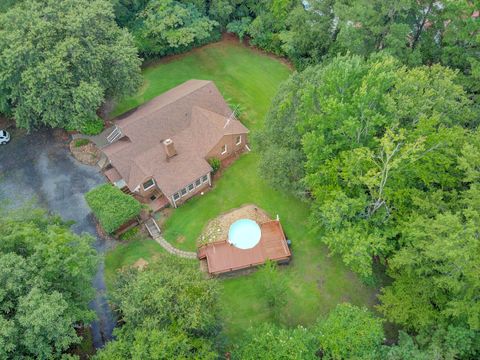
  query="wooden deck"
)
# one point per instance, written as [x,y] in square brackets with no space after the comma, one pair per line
[222,257]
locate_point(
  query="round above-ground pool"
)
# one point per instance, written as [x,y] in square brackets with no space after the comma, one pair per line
[244,234]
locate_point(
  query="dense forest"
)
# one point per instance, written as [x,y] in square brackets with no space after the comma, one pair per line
[377,129]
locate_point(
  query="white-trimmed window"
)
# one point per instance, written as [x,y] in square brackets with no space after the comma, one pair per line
[176,196]
[183,191]
[148,184]
[198,182]
[191,187]
[238,140]
[224,149]
[204,178]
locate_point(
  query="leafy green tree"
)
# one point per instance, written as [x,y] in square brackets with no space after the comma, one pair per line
[273,288]
[460,41]
[309,34]
[436,270]
[6,4]
[443,344]
[367,139]
[169,26]
[157,345]
[268,341]
[126,11]
[221,11]
[240,27]
[60,60]
[45,322]
[46,273]
[350,332]
[169,310]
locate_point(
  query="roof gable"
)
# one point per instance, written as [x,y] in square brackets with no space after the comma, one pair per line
[194,115]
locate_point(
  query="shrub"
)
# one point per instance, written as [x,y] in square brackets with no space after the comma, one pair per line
[92,127]
[81,142]
[215,164]
[112,207]
[129,234]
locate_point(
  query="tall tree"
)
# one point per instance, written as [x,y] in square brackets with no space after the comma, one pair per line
[45,285]
[268,341]
[350,332]
[370,138]
[60,60]
[169,27]
[169,300]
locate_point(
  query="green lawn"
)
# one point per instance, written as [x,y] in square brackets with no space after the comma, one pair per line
[316,282]
[127,253]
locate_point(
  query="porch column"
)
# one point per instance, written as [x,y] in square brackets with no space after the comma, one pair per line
[209,179]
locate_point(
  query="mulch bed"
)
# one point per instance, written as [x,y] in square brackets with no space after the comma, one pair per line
[217,229]
[87,154]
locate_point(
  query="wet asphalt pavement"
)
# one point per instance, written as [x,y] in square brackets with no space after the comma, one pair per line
[39,168]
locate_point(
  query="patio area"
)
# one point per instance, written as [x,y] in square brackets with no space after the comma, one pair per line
[217,229]
[220,254]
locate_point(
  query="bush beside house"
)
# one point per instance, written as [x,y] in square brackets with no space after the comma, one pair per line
[112,207]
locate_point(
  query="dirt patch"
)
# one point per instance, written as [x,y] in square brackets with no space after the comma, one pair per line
[6,123]
[180,239]
[140,264]
[87,154]
[217,229]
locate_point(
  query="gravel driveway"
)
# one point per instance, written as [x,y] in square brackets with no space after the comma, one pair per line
[39,167]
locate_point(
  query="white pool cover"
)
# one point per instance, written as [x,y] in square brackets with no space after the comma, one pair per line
[244,234]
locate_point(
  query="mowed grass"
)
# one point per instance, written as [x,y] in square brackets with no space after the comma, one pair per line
[245,77]
[315,281]
[127,253]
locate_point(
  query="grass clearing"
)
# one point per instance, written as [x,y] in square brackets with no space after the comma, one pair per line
[126,254]
[316,282]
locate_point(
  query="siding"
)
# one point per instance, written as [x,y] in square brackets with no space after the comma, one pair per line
[232,148]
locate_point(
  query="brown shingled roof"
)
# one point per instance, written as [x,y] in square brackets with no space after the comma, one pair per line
[194,115]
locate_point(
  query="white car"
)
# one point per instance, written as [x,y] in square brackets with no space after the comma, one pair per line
[4,137]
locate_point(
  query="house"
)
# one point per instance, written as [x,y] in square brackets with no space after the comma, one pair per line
[160,151]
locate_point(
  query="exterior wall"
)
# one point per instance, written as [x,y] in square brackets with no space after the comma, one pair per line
[196,191]
[232,147]
[148,193]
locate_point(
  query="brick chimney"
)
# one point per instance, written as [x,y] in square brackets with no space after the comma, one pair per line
[169,148]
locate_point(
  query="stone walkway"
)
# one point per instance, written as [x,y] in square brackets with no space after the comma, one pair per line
[154,232]
[173,250]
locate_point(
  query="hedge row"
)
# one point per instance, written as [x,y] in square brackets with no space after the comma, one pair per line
[112,207]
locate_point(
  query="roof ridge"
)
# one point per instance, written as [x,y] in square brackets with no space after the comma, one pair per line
[165,95]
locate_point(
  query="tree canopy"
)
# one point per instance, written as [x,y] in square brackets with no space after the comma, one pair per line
[169,310]
[370,140]
[350,332]
[46,275]
[169,26]
[61,59]
[385,155]
[268,341]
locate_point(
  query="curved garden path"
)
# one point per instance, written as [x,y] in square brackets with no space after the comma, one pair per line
[155,233]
